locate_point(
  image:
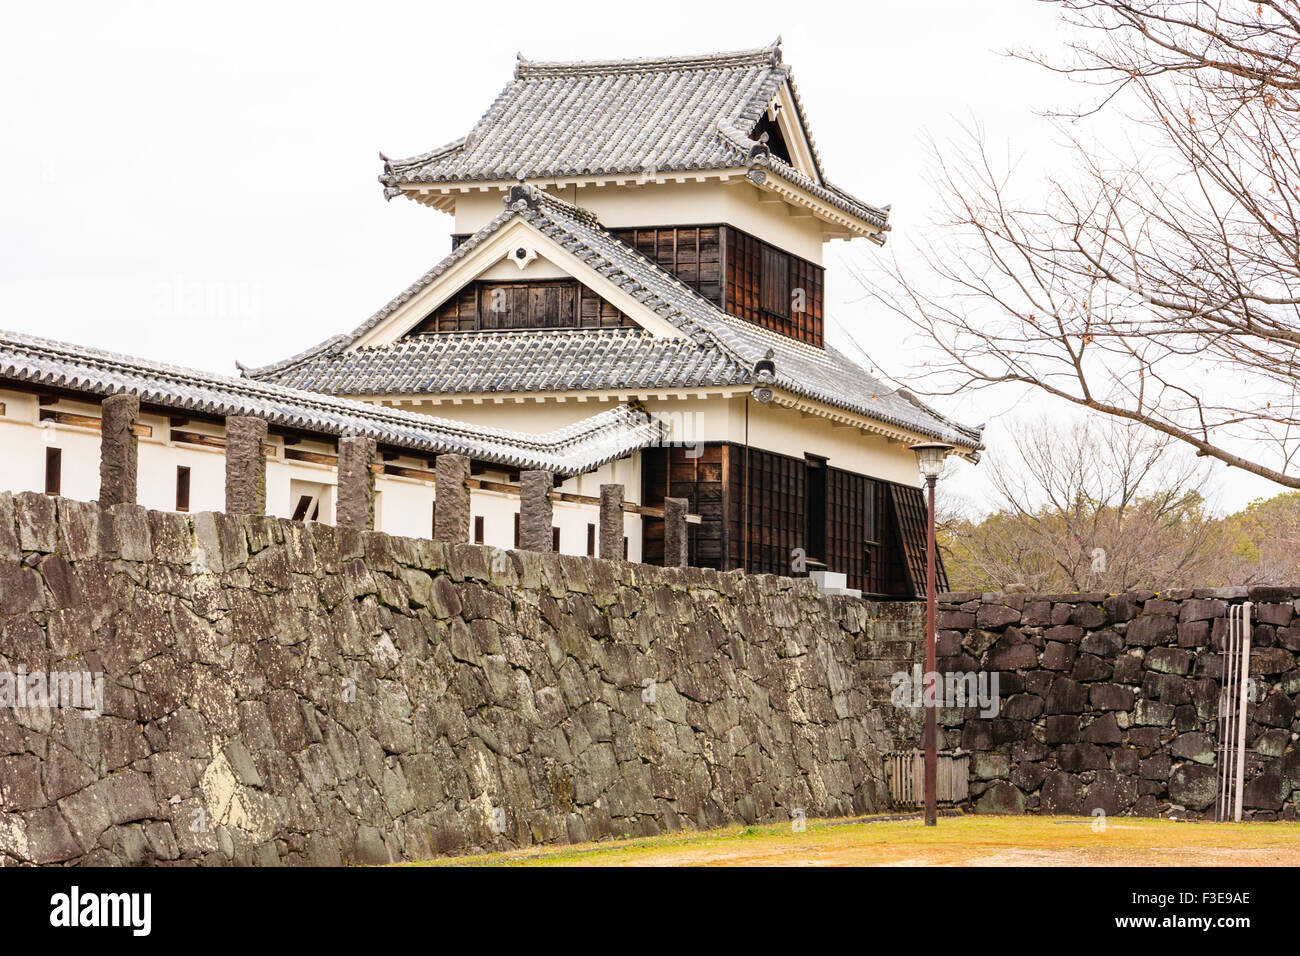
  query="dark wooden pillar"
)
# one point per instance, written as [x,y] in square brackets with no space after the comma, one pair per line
[118,450]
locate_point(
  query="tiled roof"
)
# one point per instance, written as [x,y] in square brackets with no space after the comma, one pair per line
[568,451]
[716,348]
[542,360]
[673,114]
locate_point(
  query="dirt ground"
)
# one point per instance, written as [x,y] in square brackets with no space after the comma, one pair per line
[956,841]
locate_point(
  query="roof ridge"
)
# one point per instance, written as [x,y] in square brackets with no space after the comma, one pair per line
[430,340]
[770,54]
[532,196]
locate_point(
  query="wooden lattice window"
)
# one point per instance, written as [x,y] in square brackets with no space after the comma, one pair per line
[773,289]
[776,282]
[547,304]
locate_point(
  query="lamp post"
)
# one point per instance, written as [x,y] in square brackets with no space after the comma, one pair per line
[929,456]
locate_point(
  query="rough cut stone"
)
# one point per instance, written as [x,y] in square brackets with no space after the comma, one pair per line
[1265,792]
[675,539]
[1152,713]
[1275,614]
[355,507]
[1122,607]
[330,696]
[118,450]
[536,514]
[1150,629]
[611,522]
[430,678]
[1195,746]
[1103,730]
[245,465]
[451,511]
[1102,643]
[1201,610]
[1058,656]
[1001,798]
[1066,697]
[1193,786]
[1067,633]
[1060,795]
[995,615]
[1170,660]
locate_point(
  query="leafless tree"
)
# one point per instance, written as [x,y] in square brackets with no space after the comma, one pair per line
[1090,505]
[1158,280]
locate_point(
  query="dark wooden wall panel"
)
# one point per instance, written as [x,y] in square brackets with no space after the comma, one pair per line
[760,284]
[911,514]
[673,473]
[875,529]
[740,273]
[692,253]
[548,304]
[850,513]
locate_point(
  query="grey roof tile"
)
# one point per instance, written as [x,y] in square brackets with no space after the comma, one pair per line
[593,118]
[572,450]
[543,360]
[717,349]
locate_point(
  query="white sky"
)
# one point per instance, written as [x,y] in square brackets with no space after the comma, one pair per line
[199,185]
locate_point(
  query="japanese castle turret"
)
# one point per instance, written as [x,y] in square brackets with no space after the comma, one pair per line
[626,341]
[650,232]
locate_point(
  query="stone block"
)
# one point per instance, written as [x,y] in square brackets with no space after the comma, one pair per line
[245,465]
[118,450]
[611,522]
[354,508]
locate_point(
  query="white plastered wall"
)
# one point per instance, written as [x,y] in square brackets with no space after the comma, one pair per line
[404,504]
[736,202]
[707,417]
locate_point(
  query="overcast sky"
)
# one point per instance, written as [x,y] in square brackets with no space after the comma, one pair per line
[198,184]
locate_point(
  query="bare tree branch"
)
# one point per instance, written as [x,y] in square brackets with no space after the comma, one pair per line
[1158,283]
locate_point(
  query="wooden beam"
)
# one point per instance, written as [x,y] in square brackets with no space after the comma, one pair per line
[315,458]
[86,421]
[196,438]
[211,441]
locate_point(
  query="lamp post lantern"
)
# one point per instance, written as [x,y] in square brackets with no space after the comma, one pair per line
[929,456]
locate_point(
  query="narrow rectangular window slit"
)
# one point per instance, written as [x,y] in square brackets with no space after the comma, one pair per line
[53,470]
[182,488]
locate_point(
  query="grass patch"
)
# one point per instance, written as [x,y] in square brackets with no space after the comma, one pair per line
[956,841]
